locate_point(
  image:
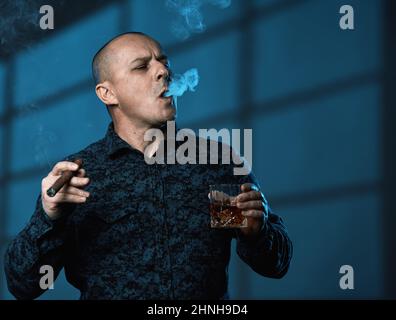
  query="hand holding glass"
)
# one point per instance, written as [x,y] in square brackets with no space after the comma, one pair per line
[224,212]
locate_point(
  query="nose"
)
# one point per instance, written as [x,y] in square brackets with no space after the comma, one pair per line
[162,74]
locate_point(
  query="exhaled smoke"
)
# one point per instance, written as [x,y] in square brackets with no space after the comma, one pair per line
[181,83]
[190,18]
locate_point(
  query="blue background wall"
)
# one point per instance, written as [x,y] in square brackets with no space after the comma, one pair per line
[315,96]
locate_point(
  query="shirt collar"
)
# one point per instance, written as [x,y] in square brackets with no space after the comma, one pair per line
[115,144]
[113,141]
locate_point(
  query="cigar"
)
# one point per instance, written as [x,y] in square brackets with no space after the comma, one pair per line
[63,179]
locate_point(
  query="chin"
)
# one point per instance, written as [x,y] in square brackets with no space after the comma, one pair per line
[170,115]
[166,112]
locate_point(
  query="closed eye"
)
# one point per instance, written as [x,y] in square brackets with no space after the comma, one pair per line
[142,67]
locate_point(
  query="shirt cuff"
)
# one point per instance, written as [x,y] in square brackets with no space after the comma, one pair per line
[41,224]
[262,240]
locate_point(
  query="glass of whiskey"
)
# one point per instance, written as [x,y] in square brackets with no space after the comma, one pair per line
[223,210]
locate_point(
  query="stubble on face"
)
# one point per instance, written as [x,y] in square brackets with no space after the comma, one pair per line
[139,76]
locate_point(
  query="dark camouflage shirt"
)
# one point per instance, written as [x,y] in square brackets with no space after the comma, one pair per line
[144,233]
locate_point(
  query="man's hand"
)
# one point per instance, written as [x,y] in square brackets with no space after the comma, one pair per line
[70,193]
[254,207]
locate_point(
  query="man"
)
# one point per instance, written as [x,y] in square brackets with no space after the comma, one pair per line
[125,229]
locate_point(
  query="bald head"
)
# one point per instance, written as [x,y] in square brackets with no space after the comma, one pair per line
[131,73]
[101,63]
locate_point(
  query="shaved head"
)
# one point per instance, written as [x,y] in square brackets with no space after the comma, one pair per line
[101,62]
[131,74]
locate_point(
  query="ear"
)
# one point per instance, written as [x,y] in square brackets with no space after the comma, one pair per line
[105,92]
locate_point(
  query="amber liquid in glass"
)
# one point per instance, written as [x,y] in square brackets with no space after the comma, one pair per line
[226,216]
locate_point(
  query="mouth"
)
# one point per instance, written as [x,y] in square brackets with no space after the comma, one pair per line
[162,93]
[163,97]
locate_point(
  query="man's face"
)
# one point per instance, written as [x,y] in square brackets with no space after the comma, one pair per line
[139,75]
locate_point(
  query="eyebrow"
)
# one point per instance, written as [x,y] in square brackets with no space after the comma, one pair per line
[148,58]
[162,57]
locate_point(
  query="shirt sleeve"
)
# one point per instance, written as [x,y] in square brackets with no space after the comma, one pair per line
[40,243]
[269,252]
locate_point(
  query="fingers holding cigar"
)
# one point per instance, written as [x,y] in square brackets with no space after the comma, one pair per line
[64,184]
[80,180]
[71,196]
[80,173]
[70,190]
[68,171]
[63,166]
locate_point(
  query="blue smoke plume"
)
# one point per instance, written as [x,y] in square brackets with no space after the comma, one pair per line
[182,82]
[190,18]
